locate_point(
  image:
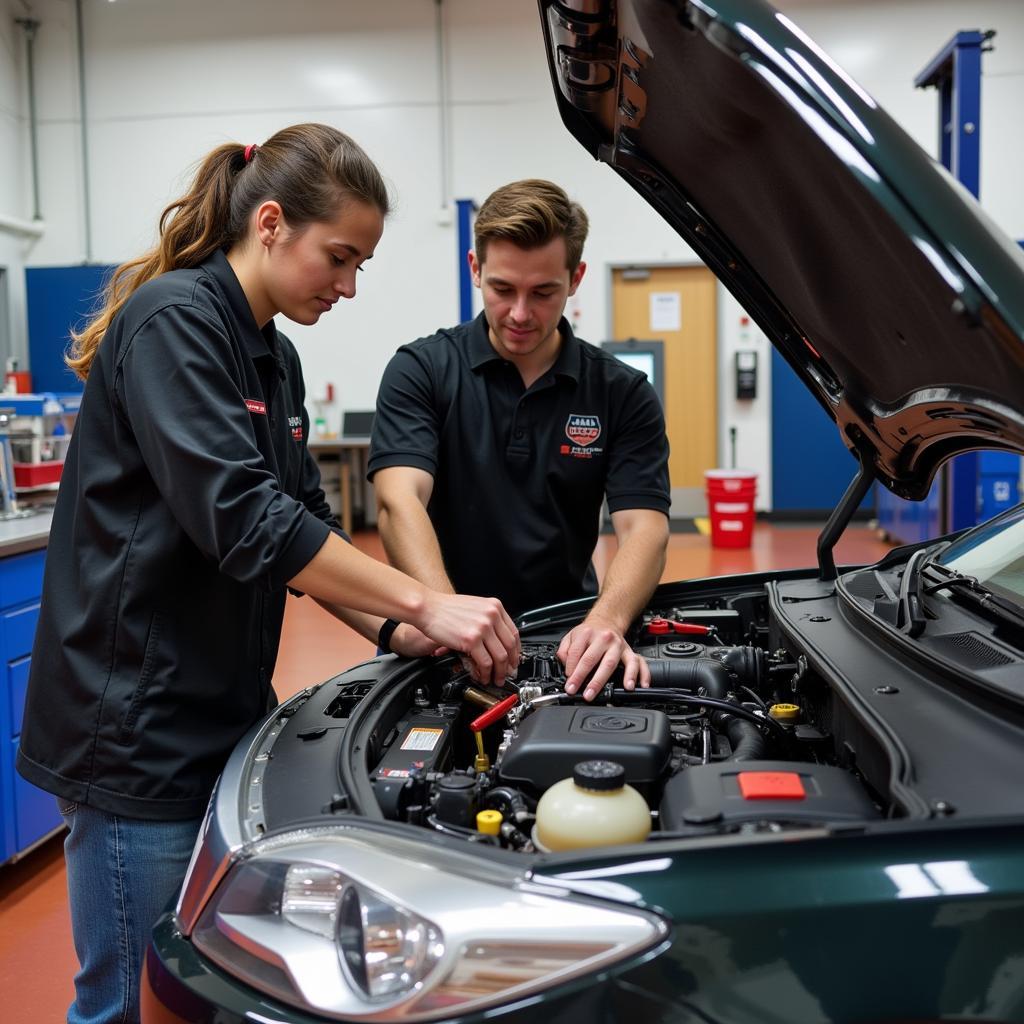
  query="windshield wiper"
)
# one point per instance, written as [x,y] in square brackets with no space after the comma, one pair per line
[954,579]
[910,616]
[974,591]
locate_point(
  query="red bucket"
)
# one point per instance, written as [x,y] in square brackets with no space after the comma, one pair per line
[730,494]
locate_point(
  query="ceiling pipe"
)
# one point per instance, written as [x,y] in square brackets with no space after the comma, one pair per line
[31,229]
[30,26]
[87,206]
[442,97]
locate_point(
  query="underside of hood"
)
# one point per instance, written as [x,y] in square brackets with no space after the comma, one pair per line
[876,275]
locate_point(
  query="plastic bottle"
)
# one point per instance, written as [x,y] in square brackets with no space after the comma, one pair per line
[593,808]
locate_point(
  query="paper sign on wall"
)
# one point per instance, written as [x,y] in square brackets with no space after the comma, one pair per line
[666,311]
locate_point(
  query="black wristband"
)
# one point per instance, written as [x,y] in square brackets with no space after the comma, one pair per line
[387,631]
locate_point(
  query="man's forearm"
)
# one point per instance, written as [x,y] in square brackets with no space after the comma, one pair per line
[411,543]
[633,574]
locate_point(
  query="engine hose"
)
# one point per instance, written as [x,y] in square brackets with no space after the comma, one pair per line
[754,697]
[513,804]
[747,743]
[691,674]
[462,833]
[682,697]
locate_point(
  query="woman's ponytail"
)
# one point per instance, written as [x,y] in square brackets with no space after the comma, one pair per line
[310,169]
[191,229]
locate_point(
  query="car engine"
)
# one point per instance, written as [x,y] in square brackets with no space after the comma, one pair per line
[733,734]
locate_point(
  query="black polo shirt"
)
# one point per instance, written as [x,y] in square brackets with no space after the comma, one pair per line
[188,500]
[520,475]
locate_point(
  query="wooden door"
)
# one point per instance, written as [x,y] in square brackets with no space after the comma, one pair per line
[677,305]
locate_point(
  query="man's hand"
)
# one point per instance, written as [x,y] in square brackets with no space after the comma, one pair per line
[597,646]
[478,627]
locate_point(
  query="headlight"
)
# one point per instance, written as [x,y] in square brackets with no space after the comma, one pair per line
[353,923]
[384,949]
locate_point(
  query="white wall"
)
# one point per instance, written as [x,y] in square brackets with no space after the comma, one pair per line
[167,81]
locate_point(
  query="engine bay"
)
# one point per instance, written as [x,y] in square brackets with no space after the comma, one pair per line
[779,703]
[732,735]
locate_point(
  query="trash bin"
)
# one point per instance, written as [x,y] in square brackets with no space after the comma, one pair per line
[730,494]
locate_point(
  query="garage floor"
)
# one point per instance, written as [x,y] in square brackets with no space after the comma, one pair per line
[37,959]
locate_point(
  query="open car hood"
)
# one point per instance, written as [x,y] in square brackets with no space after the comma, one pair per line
[872,271]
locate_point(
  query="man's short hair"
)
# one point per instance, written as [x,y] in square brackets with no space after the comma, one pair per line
[530,214]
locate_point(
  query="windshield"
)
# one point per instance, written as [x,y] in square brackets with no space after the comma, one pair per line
[993,554]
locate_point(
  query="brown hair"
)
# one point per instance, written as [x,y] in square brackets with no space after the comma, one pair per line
[530,214]
[310,169]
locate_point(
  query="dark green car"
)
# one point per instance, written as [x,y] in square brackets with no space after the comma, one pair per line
[830,761]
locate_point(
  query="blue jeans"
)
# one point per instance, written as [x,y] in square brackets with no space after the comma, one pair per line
[122,875]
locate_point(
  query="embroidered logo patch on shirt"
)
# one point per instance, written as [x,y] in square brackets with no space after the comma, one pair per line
[260,408]
[583,431]
[295,425]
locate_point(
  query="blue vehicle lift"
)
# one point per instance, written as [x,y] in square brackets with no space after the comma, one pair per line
[975,485]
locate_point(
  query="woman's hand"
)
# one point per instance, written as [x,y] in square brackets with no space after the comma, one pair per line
[478,627]
[411,642]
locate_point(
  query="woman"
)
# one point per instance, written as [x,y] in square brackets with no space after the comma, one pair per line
[188,503]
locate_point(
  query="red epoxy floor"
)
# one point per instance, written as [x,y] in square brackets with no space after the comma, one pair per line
[37,958]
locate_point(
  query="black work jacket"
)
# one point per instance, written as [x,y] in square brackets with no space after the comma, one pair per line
[187,502]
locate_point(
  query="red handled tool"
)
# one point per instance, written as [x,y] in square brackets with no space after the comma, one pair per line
[492,715]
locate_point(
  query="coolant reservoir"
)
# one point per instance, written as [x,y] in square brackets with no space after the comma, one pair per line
[593,808]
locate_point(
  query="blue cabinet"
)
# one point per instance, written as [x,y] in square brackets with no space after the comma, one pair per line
[911,522]
[811,467]
[59,300]
[998,483]
[27,814]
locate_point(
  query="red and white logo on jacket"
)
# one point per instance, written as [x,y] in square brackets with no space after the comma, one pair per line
[256,406]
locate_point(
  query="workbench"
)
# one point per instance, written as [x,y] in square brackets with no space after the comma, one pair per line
[351,455]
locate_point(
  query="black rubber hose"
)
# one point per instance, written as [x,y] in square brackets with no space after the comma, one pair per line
[462,833]
[747,743]
[691,674]
[755,697]
[653,696]
[511,802]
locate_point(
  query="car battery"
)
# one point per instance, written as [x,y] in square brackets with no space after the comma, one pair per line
[735,792]
[423,741]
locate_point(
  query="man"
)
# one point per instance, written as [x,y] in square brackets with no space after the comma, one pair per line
[495,443]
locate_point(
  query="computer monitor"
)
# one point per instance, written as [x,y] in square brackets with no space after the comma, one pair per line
[357,424]
[646,356]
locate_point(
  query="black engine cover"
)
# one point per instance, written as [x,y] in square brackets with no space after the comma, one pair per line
[551,741]
[713,794]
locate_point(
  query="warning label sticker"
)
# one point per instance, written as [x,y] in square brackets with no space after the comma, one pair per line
[393,773]
[421,738]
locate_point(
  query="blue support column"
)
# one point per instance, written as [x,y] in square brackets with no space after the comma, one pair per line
[965,127]
[466,208]
[956,72]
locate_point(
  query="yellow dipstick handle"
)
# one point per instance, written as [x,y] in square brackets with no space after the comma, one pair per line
[482,762]
[489,822]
